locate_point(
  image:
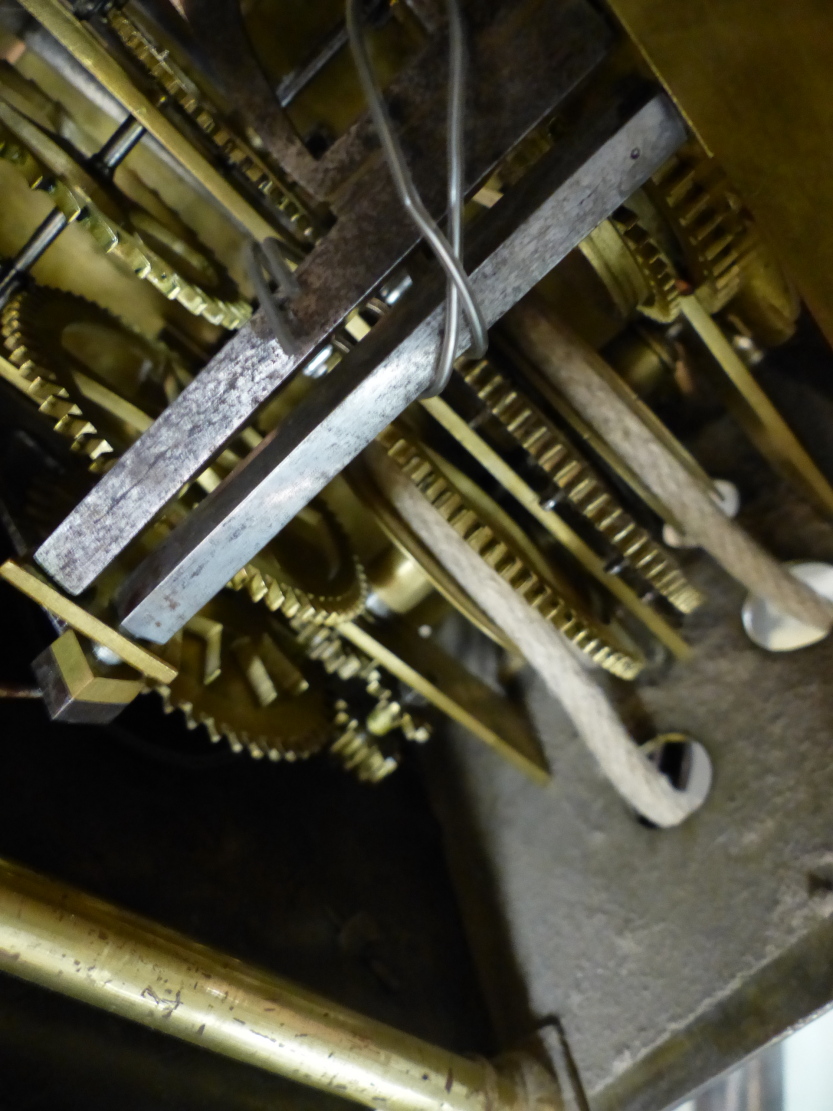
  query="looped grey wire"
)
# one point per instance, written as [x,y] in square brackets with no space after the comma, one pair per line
[596,721]
[267,256]
[447,253]
[574,369]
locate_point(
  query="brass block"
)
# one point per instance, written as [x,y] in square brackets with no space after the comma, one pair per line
[73,692]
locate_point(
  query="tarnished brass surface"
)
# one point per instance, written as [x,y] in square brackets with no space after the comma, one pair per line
[753,77]
[77,618]
[87,949]
[756,413]
[86,49]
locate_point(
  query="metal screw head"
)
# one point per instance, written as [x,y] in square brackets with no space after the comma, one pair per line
[775,631]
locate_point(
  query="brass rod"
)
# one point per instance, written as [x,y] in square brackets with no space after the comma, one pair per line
[93,56]
[85,948]
[756,413]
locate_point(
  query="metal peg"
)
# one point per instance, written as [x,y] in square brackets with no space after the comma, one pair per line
[267,257]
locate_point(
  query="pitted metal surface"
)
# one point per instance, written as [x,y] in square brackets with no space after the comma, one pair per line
[668,955]
[339,274]
[565,197]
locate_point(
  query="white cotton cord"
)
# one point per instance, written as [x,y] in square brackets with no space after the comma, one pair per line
[635,778]
[577,372]
[447,254]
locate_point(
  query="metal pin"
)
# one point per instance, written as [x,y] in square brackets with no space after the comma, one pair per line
[267,256]
[114,151]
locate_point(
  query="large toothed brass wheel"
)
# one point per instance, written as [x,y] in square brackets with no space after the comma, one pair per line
[238,678]
[179,270]
[101,380]
[507,549]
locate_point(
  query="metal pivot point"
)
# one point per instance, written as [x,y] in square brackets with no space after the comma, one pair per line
[775,631]
[562,199]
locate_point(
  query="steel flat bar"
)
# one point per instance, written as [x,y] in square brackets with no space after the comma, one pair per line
[562,199]
[371,237]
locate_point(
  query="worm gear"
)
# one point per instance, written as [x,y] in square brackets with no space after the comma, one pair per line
[236,155]
[140,242]
[573,479]
[504,547]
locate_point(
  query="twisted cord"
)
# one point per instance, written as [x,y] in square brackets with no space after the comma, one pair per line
[574,369]
[596,721]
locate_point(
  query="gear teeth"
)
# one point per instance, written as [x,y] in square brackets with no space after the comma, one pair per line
[695,197]
[662,302]
[550,451]
[294,603]
[128,247]
[440,492]
[214,734]
[237,157]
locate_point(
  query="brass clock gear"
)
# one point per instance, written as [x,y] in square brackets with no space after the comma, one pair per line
[309,571]
[151,251]
[235,678]
[77,361]
[506,549]
[359,744]
[661,299]
[574,479]
[693,195]
[634,269]
[237,670]
[236,155]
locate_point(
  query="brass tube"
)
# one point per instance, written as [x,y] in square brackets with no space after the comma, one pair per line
[85,948]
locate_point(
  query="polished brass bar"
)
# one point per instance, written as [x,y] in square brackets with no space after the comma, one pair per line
[755,412]
[85,948]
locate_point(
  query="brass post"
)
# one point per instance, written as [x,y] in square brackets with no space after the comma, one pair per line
[87,949]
